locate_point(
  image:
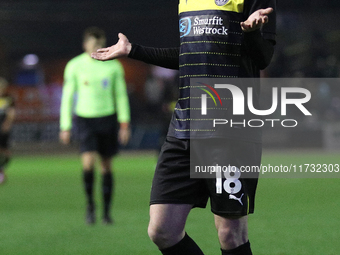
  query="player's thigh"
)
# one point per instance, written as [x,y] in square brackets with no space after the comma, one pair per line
[172,183]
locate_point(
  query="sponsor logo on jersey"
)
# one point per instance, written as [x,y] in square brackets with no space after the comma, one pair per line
[211,25]
[221,2]
[184,26]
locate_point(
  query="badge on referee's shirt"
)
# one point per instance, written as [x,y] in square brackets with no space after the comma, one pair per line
[105,82]
[221,2]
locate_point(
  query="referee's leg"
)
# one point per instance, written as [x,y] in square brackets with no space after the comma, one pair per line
[107,187]
[88,161]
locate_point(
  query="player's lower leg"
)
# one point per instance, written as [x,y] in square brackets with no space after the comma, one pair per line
[233,235]
[166,229]
[243,249]
[107,187]
[186,246]
[88,179]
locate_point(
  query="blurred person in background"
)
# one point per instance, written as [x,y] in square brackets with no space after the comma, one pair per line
[7,115]
[102,115]
[161,93]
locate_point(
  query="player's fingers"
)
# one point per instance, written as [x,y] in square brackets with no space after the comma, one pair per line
[254,23]
[121,36]
[260,22]
[103,49]
[245,26]
[265,19]
[266,11]
[248,24]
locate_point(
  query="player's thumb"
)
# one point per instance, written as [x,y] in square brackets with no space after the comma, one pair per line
[267,11]
[122,36]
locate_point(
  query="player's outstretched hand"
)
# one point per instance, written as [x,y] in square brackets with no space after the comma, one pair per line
[121,49]
[256,20]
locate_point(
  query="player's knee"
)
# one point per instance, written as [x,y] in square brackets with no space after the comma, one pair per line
[157,235]
[230,238]
[161,236]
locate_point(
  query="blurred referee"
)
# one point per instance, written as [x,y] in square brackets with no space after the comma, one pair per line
[102,115]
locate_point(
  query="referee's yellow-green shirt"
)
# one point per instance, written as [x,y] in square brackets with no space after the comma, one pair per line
[100,88]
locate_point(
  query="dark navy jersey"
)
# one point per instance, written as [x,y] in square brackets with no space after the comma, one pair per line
[212,45]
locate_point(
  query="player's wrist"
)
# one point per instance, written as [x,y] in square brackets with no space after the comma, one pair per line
[128,48]
[132,48]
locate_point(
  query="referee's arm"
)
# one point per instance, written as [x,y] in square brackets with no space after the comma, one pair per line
[69,89]
[122,106]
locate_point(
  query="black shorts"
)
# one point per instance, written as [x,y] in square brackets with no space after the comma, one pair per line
[4,138]
[98,134]
[172,183]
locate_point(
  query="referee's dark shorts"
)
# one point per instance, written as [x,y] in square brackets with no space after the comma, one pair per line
[98,134]
[230,194]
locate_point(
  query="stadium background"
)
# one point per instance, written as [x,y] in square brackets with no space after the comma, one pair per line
[41,206]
